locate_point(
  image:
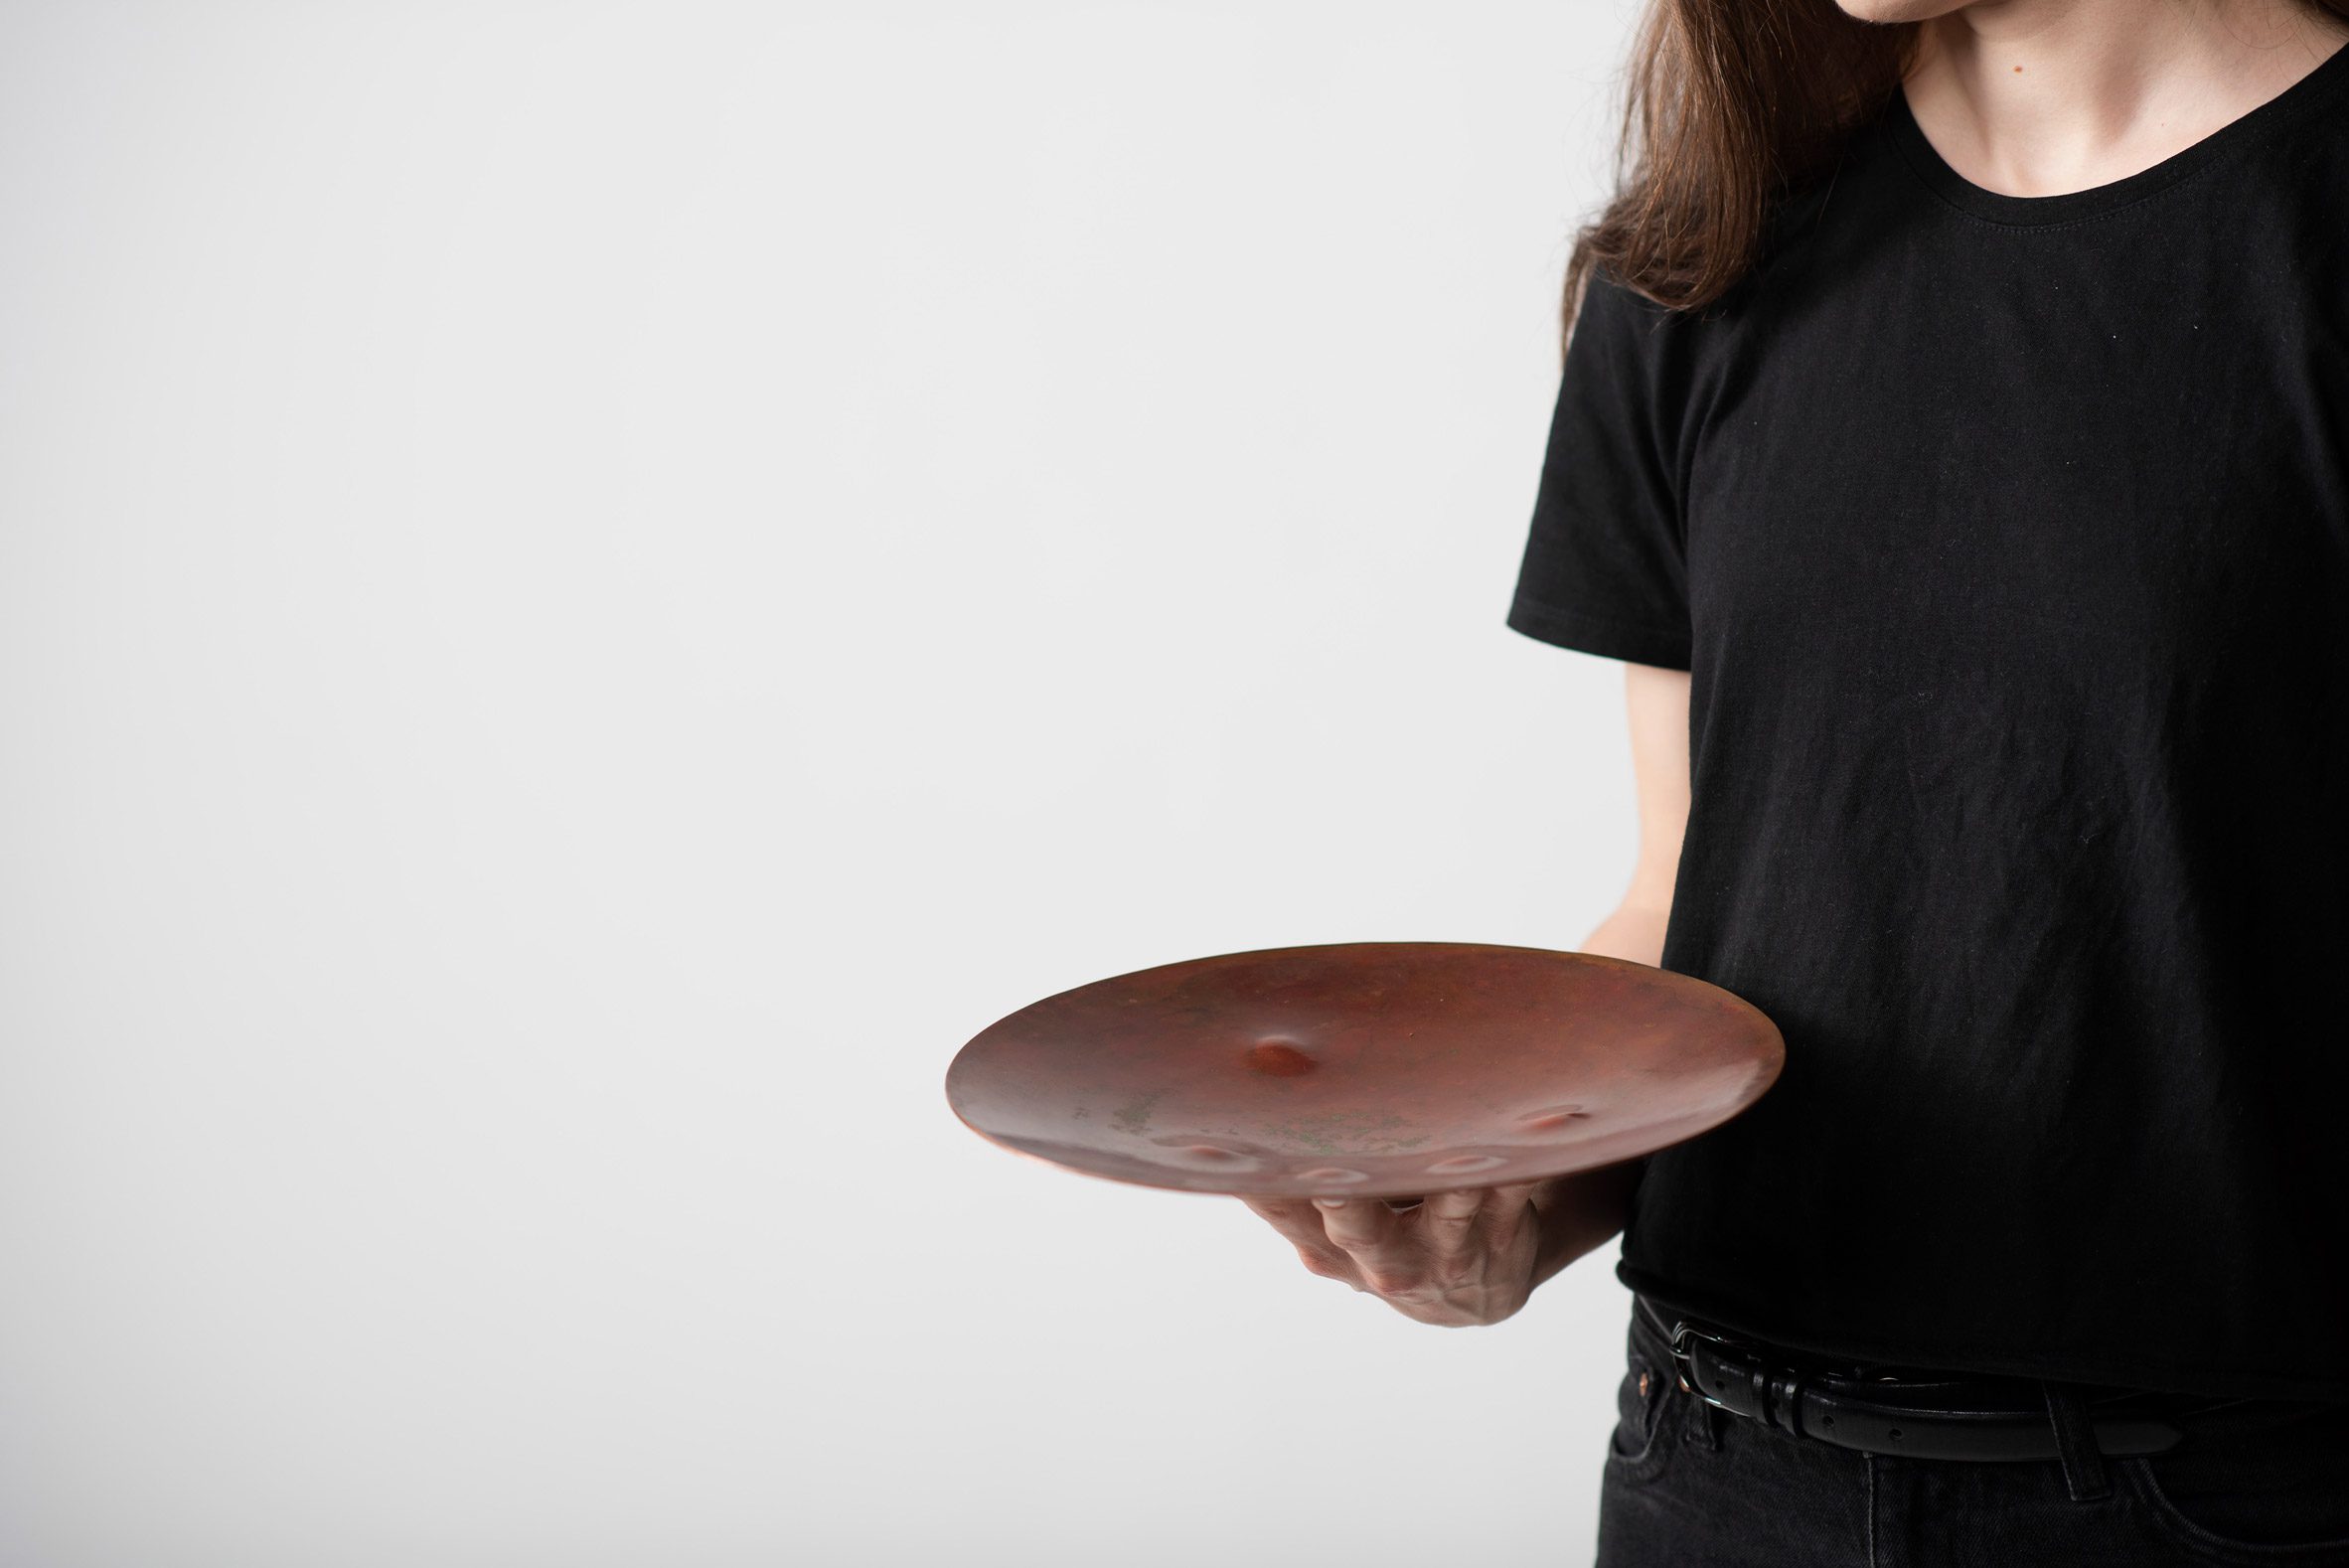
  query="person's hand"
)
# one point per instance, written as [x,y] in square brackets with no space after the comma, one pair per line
[1455,1259]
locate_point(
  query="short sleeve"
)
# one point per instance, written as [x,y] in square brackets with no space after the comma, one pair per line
[1605,567]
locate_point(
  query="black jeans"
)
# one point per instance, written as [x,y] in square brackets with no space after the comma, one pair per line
[1690,1486]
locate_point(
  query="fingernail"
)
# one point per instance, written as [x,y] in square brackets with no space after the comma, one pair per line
[1329,1203]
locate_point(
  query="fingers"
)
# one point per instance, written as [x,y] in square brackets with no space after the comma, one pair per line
[1294,1217]
[1513,1200]
[1509,1211]
[1297,1219]
[1377,1239]
[1396,1253]
[1449,1222]
[1473,1220]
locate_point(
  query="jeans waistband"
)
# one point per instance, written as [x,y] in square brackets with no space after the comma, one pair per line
[1651,1325]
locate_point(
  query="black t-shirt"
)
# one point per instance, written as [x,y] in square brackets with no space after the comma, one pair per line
[2006,541]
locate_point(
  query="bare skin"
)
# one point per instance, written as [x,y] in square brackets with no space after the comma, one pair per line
[2040,98]
[1473,1256]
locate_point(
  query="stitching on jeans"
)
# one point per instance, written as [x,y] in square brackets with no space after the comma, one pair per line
[1870,1459]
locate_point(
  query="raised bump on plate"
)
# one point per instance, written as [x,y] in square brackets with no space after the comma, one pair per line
[1279,1058]
[1214,1155]
[1460,1164]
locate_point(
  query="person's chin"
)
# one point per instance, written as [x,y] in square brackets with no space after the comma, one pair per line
[1899,10]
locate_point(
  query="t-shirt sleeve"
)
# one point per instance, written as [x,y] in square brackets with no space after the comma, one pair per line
[1605,569]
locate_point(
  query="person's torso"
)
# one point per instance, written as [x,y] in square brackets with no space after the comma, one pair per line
[2017,540]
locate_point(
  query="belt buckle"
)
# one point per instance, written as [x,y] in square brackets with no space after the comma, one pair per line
[1685,1331]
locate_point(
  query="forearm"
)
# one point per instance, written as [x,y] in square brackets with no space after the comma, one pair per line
[1633,931]
[1581,1214]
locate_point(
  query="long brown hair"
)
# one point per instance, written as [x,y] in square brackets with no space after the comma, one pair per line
[1733,107]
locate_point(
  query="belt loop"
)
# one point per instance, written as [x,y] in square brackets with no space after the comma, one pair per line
[2075,1443]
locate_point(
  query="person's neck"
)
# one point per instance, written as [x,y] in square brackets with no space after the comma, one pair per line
[2041,97]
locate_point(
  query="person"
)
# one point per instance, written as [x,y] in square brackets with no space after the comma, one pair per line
[1952,442]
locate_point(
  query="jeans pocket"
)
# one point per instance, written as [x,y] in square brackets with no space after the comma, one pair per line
[2276,1507]
[1639,1443]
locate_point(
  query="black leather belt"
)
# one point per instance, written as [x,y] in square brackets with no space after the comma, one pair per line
[1932,1417]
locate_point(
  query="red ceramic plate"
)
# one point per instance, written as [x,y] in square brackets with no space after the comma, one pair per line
[1380,1069]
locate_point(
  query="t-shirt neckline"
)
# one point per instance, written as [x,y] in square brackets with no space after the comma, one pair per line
[2293,102]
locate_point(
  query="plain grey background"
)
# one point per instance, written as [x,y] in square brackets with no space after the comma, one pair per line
[588,590]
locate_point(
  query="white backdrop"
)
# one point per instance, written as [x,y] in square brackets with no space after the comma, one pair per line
[588,590]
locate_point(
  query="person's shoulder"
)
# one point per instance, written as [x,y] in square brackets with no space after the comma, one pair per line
[2310,115]
[2308,153]
[1848,186]
[1623,324]
[1605,294]
[2287,192]
[1858,182]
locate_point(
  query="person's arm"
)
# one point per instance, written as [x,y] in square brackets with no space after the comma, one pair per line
[1657,702]
[1581,1214]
